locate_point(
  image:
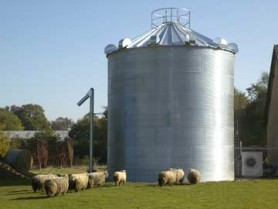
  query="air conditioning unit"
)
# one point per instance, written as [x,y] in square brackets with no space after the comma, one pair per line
[252,164]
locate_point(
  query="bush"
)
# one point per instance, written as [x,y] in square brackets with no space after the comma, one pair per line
[81,161]
[18,143]
[4,144]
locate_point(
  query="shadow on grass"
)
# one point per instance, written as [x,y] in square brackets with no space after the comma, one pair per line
[140,185]
[147,185]
[21,190]
[31,198]
[14,181]
[107,185]
[156,185]
[18,192]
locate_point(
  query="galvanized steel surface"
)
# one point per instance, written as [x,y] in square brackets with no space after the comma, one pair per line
[170,33]
[171,106]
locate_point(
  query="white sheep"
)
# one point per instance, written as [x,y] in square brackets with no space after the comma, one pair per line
[179,175]
[38,181]
[120,177]
[97,178]
[55,186]
[78,182]
[193,176]
[167,178]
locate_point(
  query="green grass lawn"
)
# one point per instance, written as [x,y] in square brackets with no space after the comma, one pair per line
[18,194]
[73,169]
[53,170]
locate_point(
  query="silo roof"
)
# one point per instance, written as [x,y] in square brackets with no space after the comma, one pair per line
[171,33]
[171,27]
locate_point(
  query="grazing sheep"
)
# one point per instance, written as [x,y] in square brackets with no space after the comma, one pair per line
[55,186]
[38,181]
[120,177]
[78,182]
[179,175]
[97,178]
[167,178]
[193,176]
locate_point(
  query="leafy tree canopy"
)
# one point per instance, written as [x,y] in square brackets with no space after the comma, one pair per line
[4,144]
[240,102]
[32,117]
[80,135]
[9,121]
[61,124]
[249,112]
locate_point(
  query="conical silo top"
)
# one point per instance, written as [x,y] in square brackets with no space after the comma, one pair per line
[171,27]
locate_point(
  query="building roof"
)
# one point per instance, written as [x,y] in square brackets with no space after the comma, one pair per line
[272,75]
[29,134]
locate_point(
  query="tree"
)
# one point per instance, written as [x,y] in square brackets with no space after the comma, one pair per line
[240,103]
[100,136]
[251,118]
[80,135]
[32,117]
[9,121]
[61,124]
[4,144]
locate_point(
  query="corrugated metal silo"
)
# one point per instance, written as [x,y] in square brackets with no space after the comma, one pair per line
[170,101]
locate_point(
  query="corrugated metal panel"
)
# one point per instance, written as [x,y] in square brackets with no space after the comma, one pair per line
[171,106]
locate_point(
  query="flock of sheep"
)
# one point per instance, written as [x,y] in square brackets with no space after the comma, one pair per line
[176,176]
[62,183]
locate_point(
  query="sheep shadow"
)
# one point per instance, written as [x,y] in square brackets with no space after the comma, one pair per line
[18,192]
[31,198]
[158,186]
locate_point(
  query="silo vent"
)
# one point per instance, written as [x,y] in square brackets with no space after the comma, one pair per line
[110,48]
[232,47]
[192,40]
[154,40]
[124,43]
[220,42]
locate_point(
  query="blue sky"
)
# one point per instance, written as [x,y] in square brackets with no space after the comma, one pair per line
[52,52]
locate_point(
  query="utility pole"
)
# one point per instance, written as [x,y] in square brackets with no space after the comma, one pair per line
[90,95]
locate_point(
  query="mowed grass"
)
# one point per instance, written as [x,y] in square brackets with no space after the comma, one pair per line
[18,194]
[62,170]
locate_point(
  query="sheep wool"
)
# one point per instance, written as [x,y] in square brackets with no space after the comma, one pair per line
[97,178]
[179,175]
[167,178]
[55,186]
[193,176]
[38,181]
[78,182]
[120,177]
